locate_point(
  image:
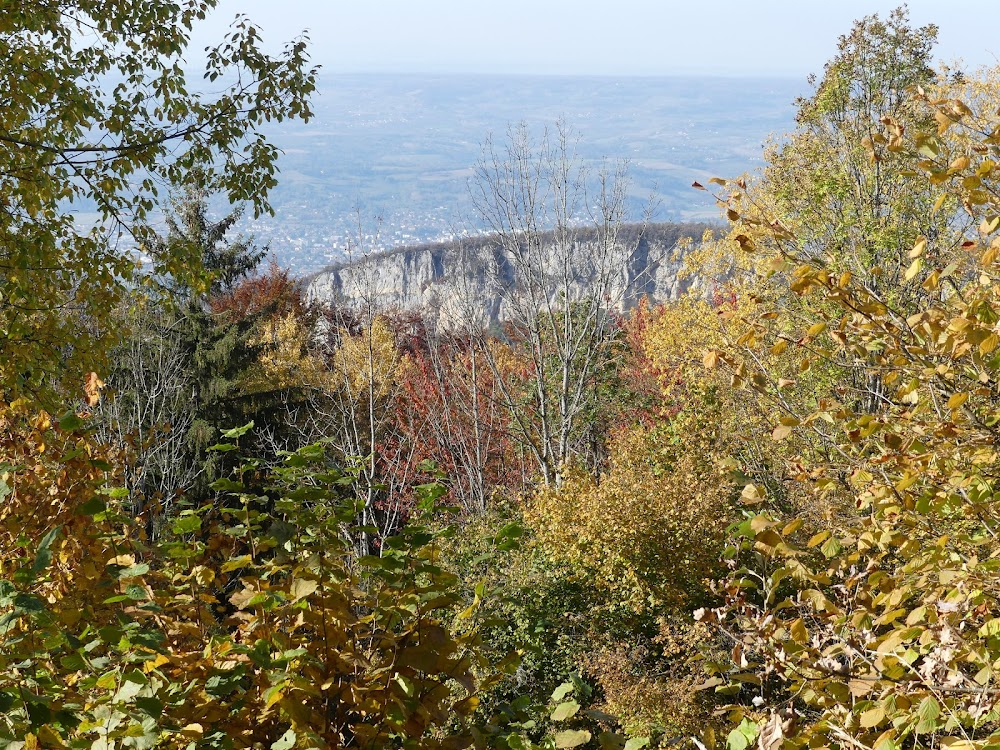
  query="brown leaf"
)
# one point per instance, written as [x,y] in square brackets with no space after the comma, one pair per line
[771,733]
[781,432]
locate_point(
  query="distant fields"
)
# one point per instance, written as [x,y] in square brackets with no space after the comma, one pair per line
[402,147]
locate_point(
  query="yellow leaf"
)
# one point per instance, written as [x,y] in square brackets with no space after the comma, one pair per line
[957,400]
[962,162]
[69,616]
[203,575]
[818,539]
[792,527]
[302,587]
[152,664]
[799,632]
[918,247]
[48,737]
[92,388]
[816,329]
[872,717]
[914,269]
[711,359]
[276,694]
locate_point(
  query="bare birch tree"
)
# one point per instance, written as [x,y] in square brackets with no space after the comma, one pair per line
[561,267]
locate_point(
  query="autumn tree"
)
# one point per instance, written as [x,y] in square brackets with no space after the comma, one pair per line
[839,195]
[454,416]
[879,630]
[560,268]
[99,115]
[838,181]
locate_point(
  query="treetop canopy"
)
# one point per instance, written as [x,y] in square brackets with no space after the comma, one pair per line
[99,115]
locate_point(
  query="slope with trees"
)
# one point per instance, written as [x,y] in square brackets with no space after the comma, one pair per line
[762,514]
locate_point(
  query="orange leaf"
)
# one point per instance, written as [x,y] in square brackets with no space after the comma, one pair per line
[92,388]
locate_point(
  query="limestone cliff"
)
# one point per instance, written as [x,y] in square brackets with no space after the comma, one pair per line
[451,279]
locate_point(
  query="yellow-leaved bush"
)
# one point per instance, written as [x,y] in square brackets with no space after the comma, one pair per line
[650,529]
[881,631]
[246,622]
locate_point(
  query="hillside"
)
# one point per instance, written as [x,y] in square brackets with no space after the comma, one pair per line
[451,277]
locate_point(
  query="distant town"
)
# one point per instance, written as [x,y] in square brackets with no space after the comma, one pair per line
[386,161]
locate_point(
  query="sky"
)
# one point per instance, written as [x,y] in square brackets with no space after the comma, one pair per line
[587,37]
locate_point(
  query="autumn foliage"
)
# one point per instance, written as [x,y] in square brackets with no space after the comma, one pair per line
[764,514]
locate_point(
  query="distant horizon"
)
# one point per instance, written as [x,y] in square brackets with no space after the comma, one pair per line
[325,72]
[728,38]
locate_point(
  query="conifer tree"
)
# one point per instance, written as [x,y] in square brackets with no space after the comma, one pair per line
[208,354]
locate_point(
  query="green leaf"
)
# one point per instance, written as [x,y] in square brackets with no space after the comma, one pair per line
[571,738]
[742,736]
[927,713]
[562,691]
[236,432]
[227,485]
[565,710]
[428,495]
[221,448]
[70,422]
[92,507]
[150,706]
[186,524]
[286,741]
[44,555]
[636,743]
[133,571]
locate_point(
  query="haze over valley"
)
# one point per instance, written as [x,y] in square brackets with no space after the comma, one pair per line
[403,147]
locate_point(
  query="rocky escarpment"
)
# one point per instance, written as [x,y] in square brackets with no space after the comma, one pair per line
[453,279]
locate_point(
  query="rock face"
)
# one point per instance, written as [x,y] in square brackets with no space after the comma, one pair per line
[474,277]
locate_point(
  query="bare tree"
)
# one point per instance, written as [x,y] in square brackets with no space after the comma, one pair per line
[562,266]
[353,408]
[146,407]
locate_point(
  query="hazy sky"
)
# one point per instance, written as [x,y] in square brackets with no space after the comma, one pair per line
[615,37]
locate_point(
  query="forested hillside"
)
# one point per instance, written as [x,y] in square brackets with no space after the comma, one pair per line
[763,513]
